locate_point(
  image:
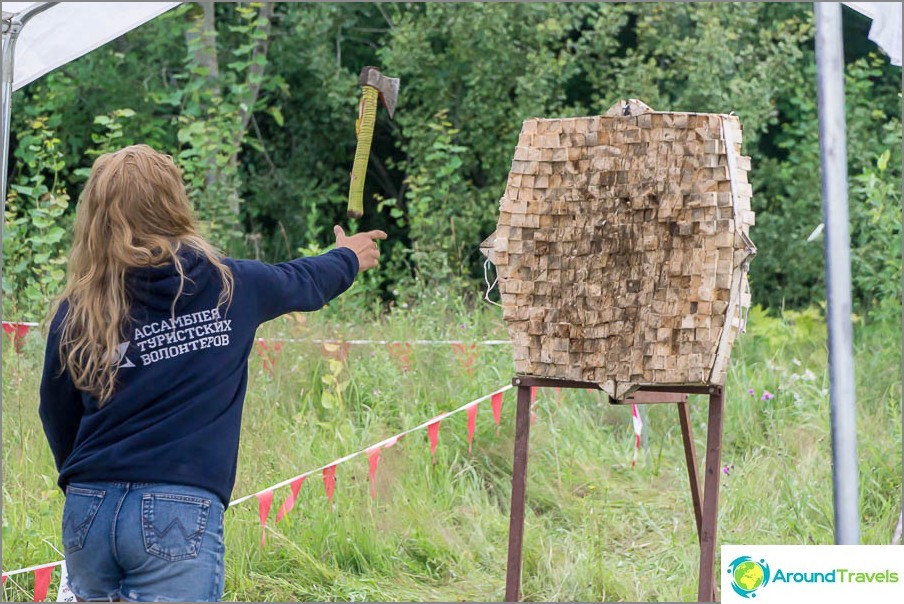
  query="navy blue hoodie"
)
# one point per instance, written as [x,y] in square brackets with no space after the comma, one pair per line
[176,412]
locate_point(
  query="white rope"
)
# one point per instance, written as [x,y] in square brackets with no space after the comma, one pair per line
[433,420]
[289,481]
[19,571]
[490,286]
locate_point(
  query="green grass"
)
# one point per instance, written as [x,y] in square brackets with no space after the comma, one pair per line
[596,528]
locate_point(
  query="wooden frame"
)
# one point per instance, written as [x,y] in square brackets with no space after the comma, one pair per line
[706,505]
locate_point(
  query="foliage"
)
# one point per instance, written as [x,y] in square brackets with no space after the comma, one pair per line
[218,91]
[266,139]
[876,232]
[34,239]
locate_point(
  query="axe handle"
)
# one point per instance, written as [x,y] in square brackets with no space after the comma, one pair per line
[369,97]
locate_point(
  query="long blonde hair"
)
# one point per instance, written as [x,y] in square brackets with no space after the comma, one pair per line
[133,212]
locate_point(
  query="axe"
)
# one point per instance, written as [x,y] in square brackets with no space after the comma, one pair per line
[373,84]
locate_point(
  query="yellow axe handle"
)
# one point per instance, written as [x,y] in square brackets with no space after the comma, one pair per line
[368,117]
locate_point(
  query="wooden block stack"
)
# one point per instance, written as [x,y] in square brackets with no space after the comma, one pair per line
[622,248]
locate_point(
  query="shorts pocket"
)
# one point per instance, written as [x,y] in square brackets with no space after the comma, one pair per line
[78,513]
[173,525]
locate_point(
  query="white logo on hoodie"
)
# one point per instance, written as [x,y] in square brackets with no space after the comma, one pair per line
[123,360]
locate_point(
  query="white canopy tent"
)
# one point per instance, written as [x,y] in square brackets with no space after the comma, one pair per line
[886,28]
[41,36]
[64,31]
[38,37]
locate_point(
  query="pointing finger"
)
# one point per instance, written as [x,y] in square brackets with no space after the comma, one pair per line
[377,234]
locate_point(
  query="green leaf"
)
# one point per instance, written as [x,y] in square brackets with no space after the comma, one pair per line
[277,115]
[26,191]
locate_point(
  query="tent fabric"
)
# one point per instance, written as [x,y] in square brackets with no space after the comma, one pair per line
[69,30]
[886,28]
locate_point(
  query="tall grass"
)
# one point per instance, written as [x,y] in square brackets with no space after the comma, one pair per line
[596,528]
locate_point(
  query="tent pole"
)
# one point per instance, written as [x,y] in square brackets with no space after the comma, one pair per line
[6,91]
[830,86]
[11,31]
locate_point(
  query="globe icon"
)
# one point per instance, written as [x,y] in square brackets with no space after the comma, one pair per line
[748,575]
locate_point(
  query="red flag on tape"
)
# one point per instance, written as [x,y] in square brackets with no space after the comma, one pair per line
[433,435]
[329,482]
[533,393]
[496,402]
[289,503]
[638,430]
[472,424]
[401,354]
[42,582]
[335,350]
[4,579]
[17,333]
[264,500]
[373,458]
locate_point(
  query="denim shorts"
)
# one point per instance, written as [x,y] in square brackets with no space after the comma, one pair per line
[143,542]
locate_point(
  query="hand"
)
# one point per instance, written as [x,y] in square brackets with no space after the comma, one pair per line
[363,244]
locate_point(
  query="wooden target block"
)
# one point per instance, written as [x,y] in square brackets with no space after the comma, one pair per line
[622,247]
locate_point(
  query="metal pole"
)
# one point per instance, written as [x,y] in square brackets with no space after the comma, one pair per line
[830,87]
[6,91]
[11,31]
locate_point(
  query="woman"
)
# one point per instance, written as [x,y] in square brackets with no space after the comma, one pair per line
[145,375]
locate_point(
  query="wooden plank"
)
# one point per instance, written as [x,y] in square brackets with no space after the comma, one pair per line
[690,456]
[710,519]
[519,491]
[632,230]
[646,397]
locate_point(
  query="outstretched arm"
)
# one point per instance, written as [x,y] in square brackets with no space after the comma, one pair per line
[307,284]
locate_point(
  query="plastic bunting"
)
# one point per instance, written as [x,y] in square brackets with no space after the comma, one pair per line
[329,482]
[373,460]
[289,503]
[42,582]
[496,403]
[42,573]
[17,333]
[401,352]
[472,424]
[265,500]
[638,429]
[269,354]
[467,356]
[433,435]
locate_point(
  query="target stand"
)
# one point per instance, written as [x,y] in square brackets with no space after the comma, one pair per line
[706,504]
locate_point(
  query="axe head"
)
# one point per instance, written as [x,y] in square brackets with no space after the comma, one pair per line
[387,87]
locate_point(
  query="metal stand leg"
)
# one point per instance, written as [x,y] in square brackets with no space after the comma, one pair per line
[690,456]
[519,484]
[706,589]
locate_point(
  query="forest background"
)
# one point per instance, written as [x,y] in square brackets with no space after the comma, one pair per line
[257,103]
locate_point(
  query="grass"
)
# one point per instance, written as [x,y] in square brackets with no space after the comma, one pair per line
[596,528]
